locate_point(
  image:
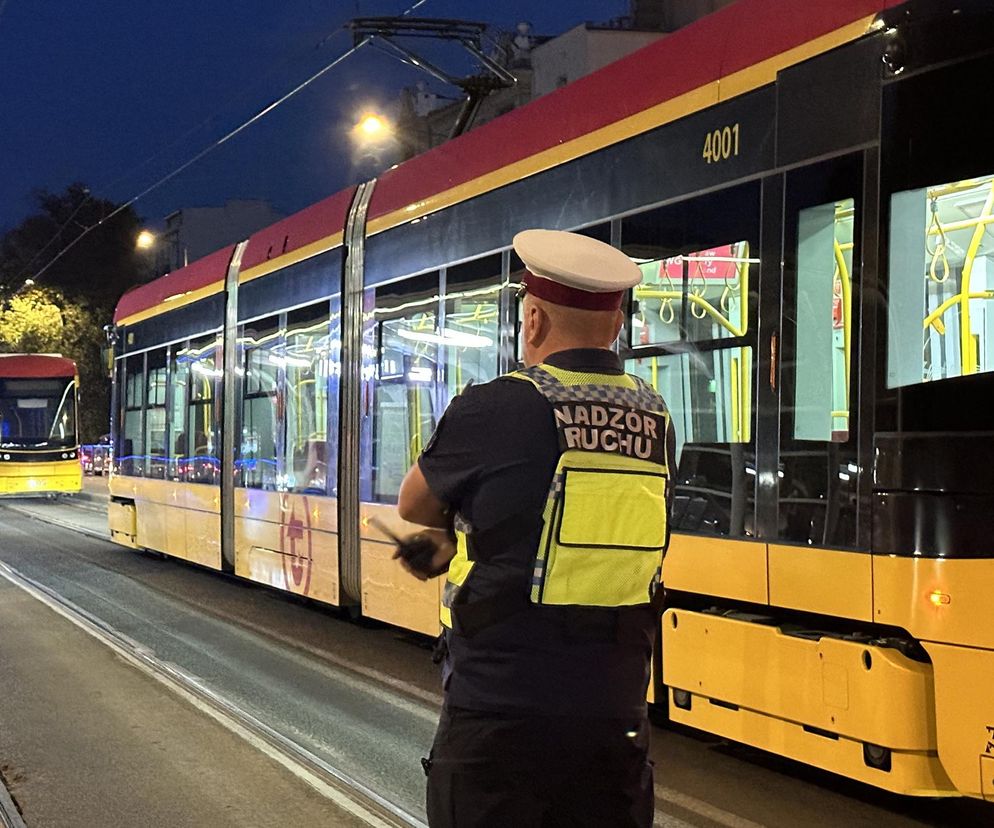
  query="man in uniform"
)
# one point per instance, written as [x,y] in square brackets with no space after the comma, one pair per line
[549,488]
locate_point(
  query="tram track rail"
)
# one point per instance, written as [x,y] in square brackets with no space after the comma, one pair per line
[328,779]
[10,816]
[390,683]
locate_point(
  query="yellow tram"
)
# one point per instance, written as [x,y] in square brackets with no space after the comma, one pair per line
[816,310]
[39,443]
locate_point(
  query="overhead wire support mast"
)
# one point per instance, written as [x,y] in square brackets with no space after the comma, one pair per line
[467,33]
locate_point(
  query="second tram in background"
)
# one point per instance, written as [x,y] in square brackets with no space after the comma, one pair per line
[809,190]
[39,446]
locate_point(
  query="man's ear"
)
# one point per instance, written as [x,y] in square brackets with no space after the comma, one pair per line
[618,323]
[536,324]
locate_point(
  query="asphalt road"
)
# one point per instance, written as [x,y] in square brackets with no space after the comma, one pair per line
[364,697]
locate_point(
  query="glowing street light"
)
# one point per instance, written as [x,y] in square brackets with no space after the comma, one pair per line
[372,127]
[145,240]
[29,282]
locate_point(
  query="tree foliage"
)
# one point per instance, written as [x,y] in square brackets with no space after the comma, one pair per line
[43,321]
[101,261]
[75,296]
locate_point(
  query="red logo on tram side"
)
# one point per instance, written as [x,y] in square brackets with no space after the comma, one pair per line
[296,546]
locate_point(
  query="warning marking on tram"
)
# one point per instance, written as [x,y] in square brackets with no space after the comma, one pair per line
[297,548]
[990,739]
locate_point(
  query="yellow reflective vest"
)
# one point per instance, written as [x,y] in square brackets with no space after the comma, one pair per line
[604,522]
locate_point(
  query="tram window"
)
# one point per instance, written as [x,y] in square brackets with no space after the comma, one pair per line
[179,378]
[709,396]
[823,321]
[203,358]
[307,356]
[407,397]
[697,259]
[941,282]
[129,451]
[263,361]
[471,336]
[703,292]
[155,414]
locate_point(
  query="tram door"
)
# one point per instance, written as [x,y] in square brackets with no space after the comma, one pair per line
[819,466]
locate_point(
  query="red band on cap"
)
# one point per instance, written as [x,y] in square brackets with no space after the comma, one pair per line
[571,297]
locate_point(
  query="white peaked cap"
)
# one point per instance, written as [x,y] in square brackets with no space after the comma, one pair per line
[575,261]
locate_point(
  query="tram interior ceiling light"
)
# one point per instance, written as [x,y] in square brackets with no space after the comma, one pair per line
[420,373]
[283,361]
[461,339]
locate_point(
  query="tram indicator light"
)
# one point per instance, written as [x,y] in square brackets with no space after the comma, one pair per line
[939,598]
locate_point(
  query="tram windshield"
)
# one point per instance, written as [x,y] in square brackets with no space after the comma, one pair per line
[37,413]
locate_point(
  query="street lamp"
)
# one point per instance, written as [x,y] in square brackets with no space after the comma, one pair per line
[372,128]
[376,139]
[145,240]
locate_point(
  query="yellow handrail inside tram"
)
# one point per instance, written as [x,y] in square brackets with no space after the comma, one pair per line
[708,308]
[846,282]
[735,380]
[969,356]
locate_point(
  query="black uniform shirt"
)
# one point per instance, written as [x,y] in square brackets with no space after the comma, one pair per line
[492,456]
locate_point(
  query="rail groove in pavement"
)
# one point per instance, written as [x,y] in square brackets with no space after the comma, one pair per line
[330,781]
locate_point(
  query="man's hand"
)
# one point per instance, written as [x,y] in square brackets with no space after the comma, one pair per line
[425,554]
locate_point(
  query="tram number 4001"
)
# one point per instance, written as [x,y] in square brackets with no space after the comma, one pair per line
[721,144]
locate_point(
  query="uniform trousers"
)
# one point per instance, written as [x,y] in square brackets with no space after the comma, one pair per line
[489,770]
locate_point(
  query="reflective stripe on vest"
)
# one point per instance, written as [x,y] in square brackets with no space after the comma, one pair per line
[459,568]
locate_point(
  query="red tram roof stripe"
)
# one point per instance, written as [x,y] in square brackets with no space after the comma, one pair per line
[35,366]
[306,227]
[730,40]
[179,283]
[734,38]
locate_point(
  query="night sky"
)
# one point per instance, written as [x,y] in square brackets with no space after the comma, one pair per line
[117,93]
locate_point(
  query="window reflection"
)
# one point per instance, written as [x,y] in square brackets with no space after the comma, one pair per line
[202,445]
[129,449]
[262,360]
[155,414]
[307,365]
[405,403]
[179,379]
[471,337]
[709,396]
[429,349]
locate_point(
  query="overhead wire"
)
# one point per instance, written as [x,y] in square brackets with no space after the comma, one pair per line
[169,145]
[82,202]
[224,139]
